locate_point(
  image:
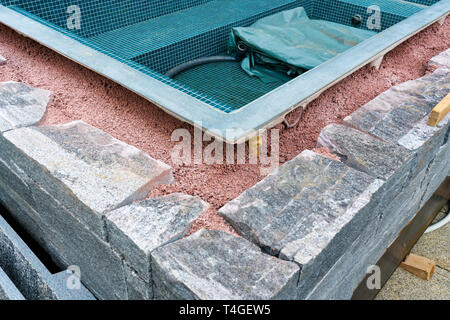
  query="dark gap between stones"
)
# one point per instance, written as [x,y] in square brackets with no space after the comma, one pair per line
[35,247]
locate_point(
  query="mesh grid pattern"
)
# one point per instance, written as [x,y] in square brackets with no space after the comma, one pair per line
[227,82]
[153,36]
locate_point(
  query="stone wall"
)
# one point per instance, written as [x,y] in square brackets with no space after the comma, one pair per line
[309,230]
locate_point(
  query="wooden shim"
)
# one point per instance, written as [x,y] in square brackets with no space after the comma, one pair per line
[419,266]
[439,112]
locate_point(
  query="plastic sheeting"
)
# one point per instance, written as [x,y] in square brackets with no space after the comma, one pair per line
[288,43]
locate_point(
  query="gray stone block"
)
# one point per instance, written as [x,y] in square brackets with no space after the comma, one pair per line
[87,170]
[387,161]
[8,290]
[29,275]
[137,288]
[364,152]
[137,229]
[343,278]
[213,265]
[2,60]
[393,113]
[21,105]
[307,211]
[441,60]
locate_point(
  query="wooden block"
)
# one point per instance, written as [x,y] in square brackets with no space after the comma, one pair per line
[439,112]
[419,266]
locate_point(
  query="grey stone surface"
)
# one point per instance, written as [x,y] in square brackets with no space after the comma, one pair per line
[441,60]
[393,113]
[363,152]
[137,288]
[308,211]
[87,170]
[2,60]
[137,229]
[29,275]
[216,265]
[8,290]
[21,105]
[380,233]
[435,246]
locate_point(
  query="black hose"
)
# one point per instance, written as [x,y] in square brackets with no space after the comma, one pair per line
[197,62]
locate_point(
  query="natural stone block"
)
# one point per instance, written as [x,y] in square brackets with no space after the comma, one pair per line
[307,211]
[393,113]
[101,267]
[8,290]
[364,152]
[87,170]
[68,241]
[2,60]
[21,105]
[379,233]
[29,275]
[441,60]
[214,265]
[137,288]
[137,229]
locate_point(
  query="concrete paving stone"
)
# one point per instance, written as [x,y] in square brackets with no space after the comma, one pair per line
[8,290]
[137,229]
[307,211]
[2,60]
[216,265]
[87,170]
[435,246]
[393,113]
[405,286]
[441,60]
[21,105]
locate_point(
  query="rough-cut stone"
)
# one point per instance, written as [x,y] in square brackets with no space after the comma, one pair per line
[2,60]
[137,229]
[393,113]
[215,265]
[441,60]
[8,290]
[137,288]
[21,105]
[87,170]
[379,234]
[29,275]
[306,211]
[363,152]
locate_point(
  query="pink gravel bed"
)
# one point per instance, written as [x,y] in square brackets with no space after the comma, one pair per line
[82,94]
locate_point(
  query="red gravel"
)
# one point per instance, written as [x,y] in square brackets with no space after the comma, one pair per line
[82,94]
